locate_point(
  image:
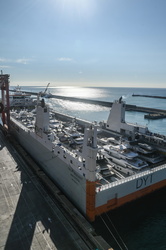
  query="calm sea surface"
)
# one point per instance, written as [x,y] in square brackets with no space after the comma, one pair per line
[98,113]
[140,225]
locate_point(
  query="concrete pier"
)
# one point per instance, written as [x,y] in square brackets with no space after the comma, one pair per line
[30,217]
[158,113]
[150,96]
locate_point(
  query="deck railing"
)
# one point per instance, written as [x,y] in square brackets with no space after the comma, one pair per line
[130,178]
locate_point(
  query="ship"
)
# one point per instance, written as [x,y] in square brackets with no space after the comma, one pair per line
[21,99]
[79,156]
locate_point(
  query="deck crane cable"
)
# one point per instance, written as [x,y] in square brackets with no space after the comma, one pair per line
[111,232]
[116,231]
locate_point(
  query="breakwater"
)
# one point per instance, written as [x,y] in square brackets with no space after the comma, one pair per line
[150,96]
[129,107]
[159,113]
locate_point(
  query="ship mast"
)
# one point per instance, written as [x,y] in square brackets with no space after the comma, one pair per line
[90,150]
[42,118]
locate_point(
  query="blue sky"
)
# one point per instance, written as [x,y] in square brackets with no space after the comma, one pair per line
[119,43]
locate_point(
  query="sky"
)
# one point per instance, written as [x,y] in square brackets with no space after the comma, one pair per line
[114,43]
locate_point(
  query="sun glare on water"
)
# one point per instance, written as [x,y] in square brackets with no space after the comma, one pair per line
[87,93]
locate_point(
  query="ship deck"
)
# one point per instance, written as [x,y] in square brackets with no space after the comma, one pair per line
[29,218]
[111,170]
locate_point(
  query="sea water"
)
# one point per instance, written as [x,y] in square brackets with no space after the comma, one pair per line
[140,225]
[98,113]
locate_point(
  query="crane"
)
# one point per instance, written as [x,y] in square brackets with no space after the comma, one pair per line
[46,88]
[44,93]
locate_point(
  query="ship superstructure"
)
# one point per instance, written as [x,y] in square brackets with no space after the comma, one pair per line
[80,157]
[21,99]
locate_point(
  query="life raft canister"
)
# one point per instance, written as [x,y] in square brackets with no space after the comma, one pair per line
[1,107]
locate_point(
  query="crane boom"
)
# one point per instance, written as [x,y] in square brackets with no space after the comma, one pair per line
[46,88]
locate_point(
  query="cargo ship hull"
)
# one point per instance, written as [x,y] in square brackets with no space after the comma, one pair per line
[132,188]
[78,156]
[51,163]
[102,199]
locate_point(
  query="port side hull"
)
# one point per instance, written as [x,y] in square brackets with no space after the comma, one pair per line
[73,185]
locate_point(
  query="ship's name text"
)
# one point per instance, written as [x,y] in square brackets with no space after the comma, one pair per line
[74,175]
[144,181]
